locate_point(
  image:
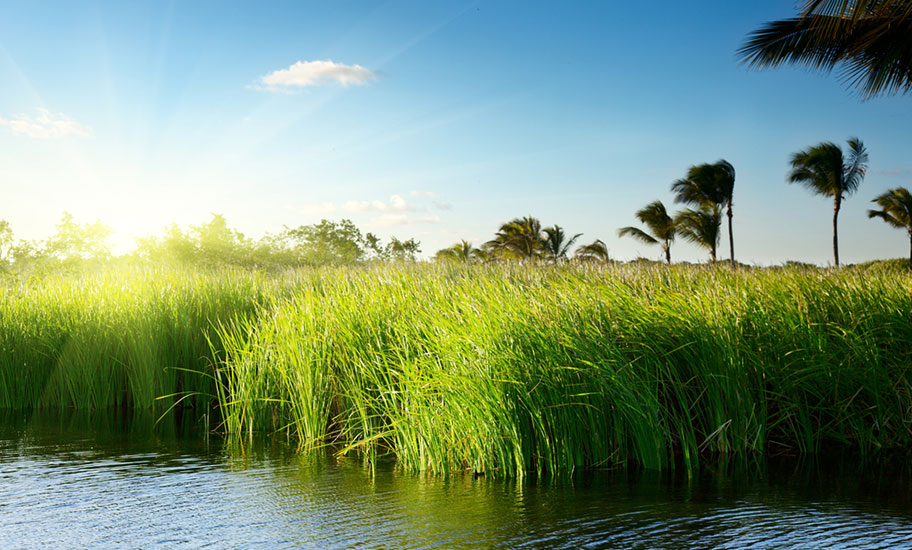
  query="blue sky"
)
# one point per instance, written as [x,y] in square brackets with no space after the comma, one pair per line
[433,120]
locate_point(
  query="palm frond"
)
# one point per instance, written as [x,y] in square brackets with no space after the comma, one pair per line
[637,234]
[871,39]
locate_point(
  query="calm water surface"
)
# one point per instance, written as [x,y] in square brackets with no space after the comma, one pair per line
[64,484]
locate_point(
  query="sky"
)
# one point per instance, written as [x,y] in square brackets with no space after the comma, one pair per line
[433,120]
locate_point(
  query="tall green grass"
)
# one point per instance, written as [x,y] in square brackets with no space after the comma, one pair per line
[118,341]
[499,369]
[519,369]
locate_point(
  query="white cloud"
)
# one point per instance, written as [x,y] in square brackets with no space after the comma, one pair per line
[315,73]
[45,125]
[442,205]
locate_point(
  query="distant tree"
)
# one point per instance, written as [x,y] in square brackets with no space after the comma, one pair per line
[520,238]
[556,244]
[403,250]
[701,227]
[823,170]
[217,243]
[709,185]
[329,242]
[596,251]
[896,209]
[174,246]
[73,242]
[373,247]
[660,224]
[870,39]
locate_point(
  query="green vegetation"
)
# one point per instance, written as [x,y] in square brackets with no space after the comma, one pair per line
[868,39]
[500,368]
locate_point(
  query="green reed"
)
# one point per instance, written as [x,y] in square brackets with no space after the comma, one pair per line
[534,368]
[115,341]
[507,370]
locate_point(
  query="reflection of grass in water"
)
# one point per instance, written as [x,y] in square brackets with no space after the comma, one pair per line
[504,369]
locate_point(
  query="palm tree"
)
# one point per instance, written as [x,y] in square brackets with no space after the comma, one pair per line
[701,227]
[896,209]
[519,238]
[556,244]
[871,40]
[662,226]
[709,185]
[823,170]
[463,251]
[597,251]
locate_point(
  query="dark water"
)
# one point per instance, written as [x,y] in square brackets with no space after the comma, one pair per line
[66,485]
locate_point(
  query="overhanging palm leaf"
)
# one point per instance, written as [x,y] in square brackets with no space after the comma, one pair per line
[870,39]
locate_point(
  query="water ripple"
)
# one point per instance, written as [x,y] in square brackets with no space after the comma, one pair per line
[60,491]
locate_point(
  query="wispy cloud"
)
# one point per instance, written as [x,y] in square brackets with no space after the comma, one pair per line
[45,125]
[304,74]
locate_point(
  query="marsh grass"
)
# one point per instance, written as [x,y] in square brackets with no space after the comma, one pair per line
[507,370]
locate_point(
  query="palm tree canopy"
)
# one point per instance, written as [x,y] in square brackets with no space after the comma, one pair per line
[556,244]
[520,237]
[595,251]
[462,251]
[655,217]
[706,184]
[701,227]
[895,208]
[823,170]
[871,40]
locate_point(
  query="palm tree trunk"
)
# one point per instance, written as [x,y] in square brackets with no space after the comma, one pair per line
[731,238]
[836,204]
[668,252]
[910,250]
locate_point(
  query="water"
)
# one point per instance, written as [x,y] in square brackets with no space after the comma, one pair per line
[66,484]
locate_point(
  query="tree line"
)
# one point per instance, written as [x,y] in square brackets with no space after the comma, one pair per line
[79,245]
[707,190]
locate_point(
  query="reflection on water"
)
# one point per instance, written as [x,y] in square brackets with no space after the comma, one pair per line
[66,483]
